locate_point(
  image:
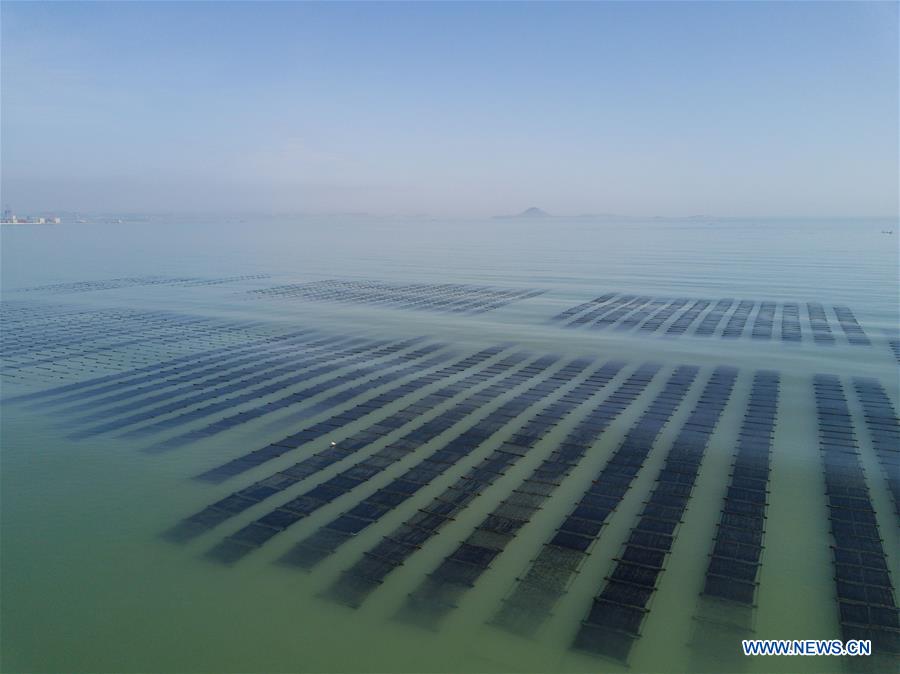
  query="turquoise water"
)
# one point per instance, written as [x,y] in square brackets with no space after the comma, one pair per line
[94,477]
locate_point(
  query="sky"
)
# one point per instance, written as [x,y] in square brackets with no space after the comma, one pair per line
[451,109]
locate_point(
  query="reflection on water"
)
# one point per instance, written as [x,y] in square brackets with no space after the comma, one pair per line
[373,445]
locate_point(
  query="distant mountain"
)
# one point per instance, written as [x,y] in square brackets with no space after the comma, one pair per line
[533,212]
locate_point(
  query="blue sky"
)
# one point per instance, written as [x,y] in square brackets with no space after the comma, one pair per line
[452,108]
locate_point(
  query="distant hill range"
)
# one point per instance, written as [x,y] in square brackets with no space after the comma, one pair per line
[529,213]
[535,213]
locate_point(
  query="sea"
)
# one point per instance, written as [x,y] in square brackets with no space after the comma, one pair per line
[406,444]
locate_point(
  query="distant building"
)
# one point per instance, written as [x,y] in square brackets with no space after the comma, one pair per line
[10,218]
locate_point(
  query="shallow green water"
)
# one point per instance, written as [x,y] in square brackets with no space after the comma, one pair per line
[90,584]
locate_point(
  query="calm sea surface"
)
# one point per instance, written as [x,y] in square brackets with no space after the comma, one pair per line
[139,356]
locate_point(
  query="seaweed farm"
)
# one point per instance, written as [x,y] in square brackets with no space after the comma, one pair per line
[461,446]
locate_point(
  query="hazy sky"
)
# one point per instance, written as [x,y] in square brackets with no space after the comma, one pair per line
[452,108]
